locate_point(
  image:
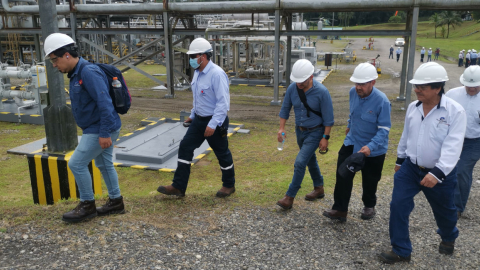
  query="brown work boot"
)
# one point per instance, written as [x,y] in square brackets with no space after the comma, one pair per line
[391,257]
[112,206]
[225,192]
[170,190]
[317,193]
[368,213]
[446,248]
[334,214]
[84,210]
[286,203]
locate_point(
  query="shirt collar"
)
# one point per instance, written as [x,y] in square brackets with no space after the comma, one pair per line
[442,103]
[207,67]
[75,69]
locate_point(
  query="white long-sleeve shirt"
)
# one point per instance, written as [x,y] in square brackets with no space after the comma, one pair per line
[433,141]
[471,104]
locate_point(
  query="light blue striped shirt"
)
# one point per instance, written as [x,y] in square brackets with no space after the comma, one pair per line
[211,95]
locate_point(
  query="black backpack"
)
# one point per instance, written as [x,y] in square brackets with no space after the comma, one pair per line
[111,71]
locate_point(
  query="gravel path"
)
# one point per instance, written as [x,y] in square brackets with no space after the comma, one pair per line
[244,238]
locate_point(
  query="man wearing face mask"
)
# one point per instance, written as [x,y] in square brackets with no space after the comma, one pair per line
[313,120]
[208,121]
[367,132]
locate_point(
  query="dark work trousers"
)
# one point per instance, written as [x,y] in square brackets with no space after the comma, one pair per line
[460,62]
[371,174]
[391,54]
[398,57]
[467,63]
[421,57]
[192,140]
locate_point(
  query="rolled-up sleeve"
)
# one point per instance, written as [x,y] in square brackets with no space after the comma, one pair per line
[327,108]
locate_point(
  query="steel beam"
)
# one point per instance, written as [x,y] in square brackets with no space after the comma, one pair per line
[288,65]
[411,55]
[116,58]
[276,61]
[168,55]
[406,47]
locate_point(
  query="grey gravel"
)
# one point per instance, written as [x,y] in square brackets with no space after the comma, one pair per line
[250,238]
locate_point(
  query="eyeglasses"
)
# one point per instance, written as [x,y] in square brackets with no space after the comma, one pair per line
[193,56]
[54,60]
[421,87]
[361,84]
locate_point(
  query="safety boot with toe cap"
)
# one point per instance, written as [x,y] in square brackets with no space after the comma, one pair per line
[317,193]
[112,206]
[83,211]
[286,203]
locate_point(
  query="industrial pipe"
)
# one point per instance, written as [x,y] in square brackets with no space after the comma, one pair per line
[15,93]
[252,6]
[19,74]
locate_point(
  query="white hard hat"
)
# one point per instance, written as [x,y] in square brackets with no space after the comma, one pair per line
[471,76]
[55,41]
[469,50]
[392,45]
[398,47]
[365,72]
[474,51]
[423,47]
[301,70]
[430,72]
[199,45]
[429,48]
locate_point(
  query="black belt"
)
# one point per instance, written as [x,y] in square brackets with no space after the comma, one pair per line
[473,139]
[423,169]
[203,117]
[312,128]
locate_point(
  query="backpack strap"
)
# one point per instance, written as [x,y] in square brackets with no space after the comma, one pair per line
[79,72]
[303,98]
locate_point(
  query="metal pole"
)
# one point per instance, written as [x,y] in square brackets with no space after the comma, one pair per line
[60,127]
[276,69]
[168,56]
[403,75]
[411,56]
[288,65]
[36,40]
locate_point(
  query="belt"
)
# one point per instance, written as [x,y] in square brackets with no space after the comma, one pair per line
[423,169]
[312,128]
[203,117]
[473,139]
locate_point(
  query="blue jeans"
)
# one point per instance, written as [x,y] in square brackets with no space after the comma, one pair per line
[469,157]
[308,142]
[440,197]
[88,149]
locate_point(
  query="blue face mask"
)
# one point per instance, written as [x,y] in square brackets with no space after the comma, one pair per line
[194,64]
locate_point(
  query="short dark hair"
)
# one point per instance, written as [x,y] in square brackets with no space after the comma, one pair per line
[209,55]
[71,49]
[437,85]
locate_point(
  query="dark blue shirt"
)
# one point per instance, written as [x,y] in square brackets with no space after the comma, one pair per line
[318,98]
[91,103]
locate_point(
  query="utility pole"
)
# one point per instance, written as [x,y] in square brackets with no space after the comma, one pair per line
[60,126]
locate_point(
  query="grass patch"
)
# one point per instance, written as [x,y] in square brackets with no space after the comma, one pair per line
[263,173]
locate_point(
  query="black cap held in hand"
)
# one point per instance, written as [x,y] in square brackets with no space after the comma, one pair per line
[351,165]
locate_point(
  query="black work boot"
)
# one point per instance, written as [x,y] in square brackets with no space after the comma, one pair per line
[446,248]
[112,206]
[84,210]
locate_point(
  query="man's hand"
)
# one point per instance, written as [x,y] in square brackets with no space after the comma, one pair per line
[429,181]
[105,142]
[397,167]
[346,131]
[209,132]
[279,135]
[365,150]
[323,145]
[189,120]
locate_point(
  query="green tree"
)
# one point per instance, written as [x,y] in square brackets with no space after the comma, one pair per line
[395,19]
[345,17]
[437,21]
[476,15]
[451,18]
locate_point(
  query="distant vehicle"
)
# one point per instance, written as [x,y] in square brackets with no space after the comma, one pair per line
[399,42]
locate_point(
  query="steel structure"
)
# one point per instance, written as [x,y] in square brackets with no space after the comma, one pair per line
[283,9]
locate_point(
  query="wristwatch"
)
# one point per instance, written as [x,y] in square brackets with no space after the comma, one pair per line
[326,137]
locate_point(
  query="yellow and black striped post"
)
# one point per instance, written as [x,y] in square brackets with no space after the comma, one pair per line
[52,180]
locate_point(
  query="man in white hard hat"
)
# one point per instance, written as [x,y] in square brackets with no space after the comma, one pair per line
[208,121]
[367,133]
[427,153]
[398,51]
[469,98]
[94,113]
[467,58]
[473,57]
[422,54]
[313,109]
[391,52]
[429,55]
